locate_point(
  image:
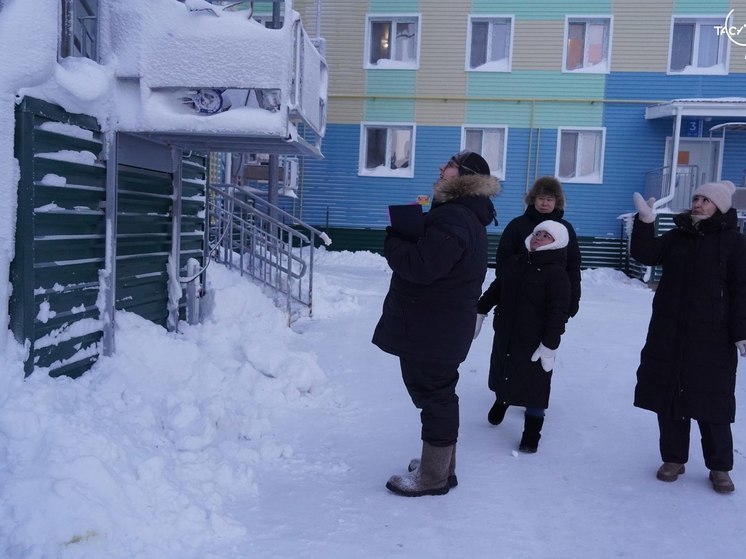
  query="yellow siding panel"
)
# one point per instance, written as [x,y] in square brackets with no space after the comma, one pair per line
[345,110]
[345,22]
[443,50]
[641,44]
[537,45]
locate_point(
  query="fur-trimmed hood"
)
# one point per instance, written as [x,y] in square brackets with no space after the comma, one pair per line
[446,190]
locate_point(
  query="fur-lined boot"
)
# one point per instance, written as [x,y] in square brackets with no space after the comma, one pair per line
[430,478]
[452,479]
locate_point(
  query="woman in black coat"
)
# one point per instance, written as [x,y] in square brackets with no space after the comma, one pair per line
[545,200]
[688,364]
[532,297]
[430,311]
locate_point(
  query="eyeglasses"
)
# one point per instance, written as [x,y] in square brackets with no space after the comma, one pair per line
[543,236]
[454,163]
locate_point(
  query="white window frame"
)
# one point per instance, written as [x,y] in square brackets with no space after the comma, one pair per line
[385,171]
[601,155]
[498,171]
[490,65]
[720,69]
[586,69]
[390,63]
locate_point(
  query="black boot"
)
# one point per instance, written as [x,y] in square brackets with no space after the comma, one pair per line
[430,478]
[497,413]
[452,479]
[531,433]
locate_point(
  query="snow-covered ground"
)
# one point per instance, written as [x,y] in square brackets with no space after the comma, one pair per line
[242,438]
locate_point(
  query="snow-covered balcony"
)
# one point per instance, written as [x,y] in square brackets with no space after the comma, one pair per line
[203,77]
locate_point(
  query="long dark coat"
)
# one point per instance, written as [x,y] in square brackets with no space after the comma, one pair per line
[515,233]
[688,364]
[532,295]
[431,307]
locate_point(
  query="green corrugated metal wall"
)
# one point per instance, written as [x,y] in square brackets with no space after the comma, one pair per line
[60,238]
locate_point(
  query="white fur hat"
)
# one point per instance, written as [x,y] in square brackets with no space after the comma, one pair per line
[720,193]
[556,230]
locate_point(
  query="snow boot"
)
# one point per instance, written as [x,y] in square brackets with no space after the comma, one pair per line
[497,413]
[531,434]
[721,482]
[430,478]
[452,479]
[670,471]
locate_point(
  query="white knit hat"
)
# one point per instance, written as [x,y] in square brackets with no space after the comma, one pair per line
[719,193]
[556,230]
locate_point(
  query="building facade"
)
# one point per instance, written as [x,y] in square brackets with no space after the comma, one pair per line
[612,97]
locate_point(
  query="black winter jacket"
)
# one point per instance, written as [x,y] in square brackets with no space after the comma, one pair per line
[515,233]
[430,310]
[688,364]
[532,296]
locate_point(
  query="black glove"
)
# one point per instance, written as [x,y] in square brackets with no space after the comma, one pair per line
[573,310]
[391,232]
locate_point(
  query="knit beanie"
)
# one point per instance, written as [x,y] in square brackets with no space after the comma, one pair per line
[719,193]
[556,230]
[471,163]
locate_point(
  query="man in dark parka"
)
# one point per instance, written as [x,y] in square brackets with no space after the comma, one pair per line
[688,364]
[429,314]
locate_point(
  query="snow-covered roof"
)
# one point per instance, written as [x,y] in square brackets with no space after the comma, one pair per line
[718,107]
[156,54]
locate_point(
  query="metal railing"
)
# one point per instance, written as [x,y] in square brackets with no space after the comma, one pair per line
[247,233]
[658,185]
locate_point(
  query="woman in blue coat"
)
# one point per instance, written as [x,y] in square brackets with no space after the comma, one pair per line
[430,311]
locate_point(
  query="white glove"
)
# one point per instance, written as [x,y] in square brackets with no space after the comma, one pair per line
[478,327]
[546,355]
[741,347]
[644,209]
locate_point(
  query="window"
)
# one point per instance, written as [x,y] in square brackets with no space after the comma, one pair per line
[386,150]
[587,44]
[696,47]
[79,35]
[490,40]
[490,143]
[580,154]
[392,42]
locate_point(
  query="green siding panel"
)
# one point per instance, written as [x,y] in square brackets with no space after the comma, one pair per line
[390,82]
[570,109]
[541,9]
[389,110]
[700,7]
[394,6]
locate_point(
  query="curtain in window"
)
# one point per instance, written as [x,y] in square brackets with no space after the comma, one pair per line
[478,51]
[500,40]
[375,153]
[575,46]
[406,42]
[401,147]
[568,154]
[681,46]
[709,46]
[380,35]
[589,152]
[596,43]
[492,149]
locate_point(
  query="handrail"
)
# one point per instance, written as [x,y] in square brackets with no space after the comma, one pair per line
[262,245]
